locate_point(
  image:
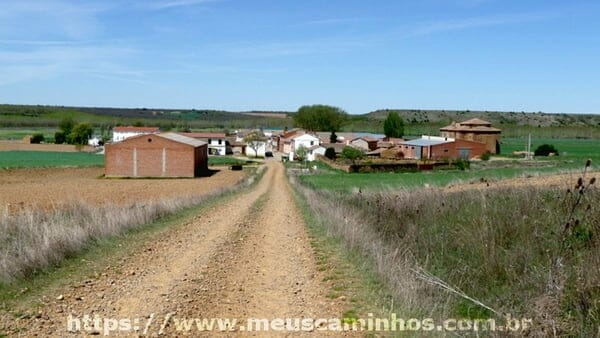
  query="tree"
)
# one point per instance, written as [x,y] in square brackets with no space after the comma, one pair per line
[320,118]
[37,138]
[80,134]
[254,141]
[352,154]
[545,150]
[393,126]
[66,125]
[330,153]
[301,153]
[60,137]
[333,137]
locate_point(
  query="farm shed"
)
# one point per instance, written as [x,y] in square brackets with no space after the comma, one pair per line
[156,155]
[434,147]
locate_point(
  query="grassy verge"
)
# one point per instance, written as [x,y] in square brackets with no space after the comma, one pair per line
[344,182]
[227,160]
[349,274]
[47,159]
[96,253]
[480,254]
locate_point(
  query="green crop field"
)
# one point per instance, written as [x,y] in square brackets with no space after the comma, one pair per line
[19,133]
[569,149]
[226,160]
[43,159]
[574,153]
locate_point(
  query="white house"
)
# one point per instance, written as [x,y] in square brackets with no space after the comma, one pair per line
[217,142]
[314,151]
[305,140]
[94,141]
[308,141]
[122,133]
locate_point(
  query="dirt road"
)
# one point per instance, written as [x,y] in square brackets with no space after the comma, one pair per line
[248,257]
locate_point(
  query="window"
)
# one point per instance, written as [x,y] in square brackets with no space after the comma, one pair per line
[220,141]
[312,143]
[209,141]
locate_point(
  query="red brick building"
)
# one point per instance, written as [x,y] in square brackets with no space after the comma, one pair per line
[438,148]
[474,130]
[156,155]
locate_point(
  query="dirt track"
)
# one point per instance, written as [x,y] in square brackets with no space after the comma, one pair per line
[248,257]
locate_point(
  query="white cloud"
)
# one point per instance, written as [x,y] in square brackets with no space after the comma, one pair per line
[169,4]
[476,22]
[334,21]
[56,18]
[44,62]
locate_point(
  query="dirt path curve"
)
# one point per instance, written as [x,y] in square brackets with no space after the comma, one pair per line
[248,257]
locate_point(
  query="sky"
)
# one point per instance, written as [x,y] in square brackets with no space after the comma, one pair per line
[241,55]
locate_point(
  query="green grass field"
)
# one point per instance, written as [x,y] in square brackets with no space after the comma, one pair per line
[574,153]
[43,159]
[224,160]
[19,133]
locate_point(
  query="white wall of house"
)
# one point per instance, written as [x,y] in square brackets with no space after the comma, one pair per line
[94,141]
[305,140]
[120,135]
[312,154]
[216,146]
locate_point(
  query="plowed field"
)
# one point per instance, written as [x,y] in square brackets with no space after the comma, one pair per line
[53,188]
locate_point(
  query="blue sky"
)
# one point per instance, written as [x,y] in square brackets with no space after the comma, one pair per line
[278,55]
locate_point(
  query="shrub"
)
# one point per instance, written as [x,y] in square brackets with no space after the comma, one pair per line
[352,154]
[545,150]
[462,164]
[330,153]
[37,138]
[60,137]
[81,133]
[486,156]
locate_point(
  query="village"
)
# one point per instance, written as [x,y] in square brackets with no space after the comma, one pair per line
[148,152]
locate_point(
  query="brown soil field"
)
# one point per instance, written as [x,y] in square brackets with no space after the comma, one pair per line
[273,115]
[554,180]
[52,188]
[64,148]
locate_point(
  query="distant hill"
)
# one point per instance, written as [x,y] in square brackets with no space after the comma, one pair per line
[418,122]
[444,117]
[50,116]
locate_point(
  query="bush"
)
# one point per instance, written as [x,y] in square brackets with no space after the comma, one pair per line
[37,138]
[330,153]
[80,134]
[486,156]
[545,150]
[352,154]
[60,137]
[462,164]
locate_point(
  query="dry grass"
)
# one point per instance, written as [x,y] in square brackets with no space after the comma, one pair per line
[36,238]
[480,253]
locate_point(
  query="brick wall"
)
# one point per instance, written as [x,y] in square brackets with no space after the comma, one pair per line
[154,156]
